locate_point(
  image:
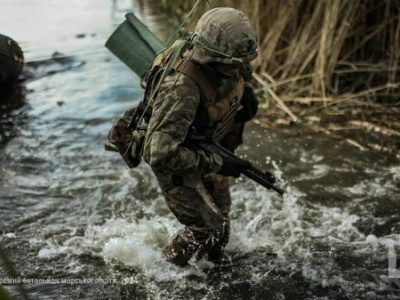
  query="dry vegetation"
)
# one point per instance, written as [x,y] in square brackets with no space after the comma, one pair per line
[330,53]
[331,63]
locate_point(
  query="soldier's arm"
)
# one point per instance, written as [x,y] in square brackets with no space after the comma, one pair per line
[173,113]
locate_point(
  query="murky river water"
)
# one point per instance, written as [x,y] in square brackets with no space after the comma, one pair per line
[74,215]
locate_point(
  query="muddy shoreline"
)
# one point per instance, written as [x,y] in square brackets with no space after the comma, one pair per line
[369,129]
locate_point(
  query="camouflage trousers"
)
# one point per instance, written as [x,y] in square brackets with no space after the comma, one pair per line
[202,205]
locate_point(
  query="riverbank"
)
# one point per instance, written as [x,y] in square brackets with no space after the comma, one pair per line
[373,128]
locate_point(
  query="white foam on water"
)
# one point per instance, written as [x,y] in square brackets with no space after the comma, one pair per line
[293,230]
[9,235]
[261,220]
[395,171]
[385,241]
[265,219]
[318,171]
[139,245]
[378,186]
[375,188]
[307,157]
[53,250]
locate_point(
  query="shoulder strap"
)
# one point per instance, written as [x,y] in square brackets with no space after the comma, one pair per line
[194,72]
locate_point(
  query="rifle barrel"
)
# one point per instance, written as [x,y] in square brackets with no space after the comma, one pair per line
[259,177]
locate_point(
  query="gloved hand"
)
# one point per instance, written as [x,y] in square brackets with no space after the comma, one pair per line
[232,167]
[249,102]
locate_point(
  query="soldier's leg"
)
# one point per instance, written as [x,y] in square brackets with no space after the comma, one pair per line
[218,187]
[189,242]
[193,207]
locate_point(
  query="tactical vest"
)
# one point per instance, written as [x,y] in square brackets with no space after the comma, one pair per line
[215,117]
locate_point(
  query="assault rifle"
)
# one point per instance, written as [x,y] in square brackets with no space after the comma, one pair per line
[265,178]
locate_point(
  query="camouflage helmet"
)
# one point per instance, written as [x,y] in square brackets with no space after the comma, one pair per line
[224,35]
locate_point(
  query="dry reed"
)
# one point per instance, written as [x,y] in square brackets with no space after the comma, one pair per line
[335,49]
[325,53]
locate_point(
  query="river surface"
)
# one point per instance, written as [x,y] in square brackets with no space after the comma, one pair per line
[78,224]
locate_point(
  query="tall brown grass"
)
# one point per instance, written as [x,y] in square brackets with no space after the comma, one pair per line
[322,50]
[325,52]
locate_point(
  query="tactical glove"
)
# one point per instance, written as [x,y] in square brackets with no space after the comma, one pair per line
[232,167]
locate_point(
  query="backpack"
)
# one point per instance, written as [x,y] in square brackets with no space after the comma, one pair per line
[127,133]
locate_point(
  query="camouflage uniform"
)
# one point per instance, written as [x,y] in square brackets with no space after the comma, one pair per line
[194,192]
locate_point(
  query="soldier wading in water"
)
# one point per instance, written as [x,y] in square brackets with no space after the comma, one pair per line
[207,93]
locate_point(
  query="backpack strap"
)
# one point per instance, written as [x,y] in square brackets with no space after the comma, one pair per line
[194,72]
